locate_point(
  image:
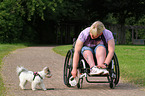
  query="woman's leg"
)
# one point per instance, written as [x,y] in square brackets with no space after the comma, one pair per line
[100,51]
[88,55]
[89,58]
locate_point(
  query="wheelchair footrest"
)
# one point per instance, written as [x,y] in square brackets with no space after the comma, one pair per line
[97,75]
[107,80]
[97,81]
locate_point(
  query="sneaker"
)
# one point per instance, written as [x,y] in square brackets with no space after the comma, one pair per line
[96,71]
[72,81]
[105,72]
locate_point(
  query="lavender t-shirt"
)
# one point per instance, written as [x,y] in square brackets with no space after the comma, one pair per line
[84,37]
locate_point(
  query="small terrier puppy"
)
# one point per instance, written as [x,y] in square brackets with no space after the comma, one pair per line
[36,78]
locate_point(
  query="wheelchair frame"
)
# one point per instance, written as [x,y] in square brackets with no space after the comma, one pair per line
[113,77]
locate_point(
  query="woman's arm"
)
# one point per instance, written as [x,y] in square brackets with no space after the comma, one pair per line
[76,56]
[111,48]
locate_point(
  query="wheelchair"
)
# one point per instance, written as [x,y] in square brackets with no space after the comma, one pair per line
[84,70]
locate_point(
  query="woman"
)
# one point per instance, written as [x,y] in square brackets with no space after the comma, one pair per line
[90,42]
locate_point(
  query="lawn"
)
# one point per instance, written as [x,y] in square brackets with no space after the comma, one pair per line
[5,49]
[131,61]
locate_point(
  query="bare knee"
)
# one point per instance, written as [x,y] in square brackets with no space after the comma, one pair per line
[100,51]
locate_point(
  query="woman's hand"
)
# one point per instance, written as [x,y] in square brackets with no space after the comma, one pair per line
[101,66]
[74,72]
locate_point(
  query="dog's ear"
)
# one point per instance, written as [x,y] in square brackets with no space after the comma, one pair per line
[46,69]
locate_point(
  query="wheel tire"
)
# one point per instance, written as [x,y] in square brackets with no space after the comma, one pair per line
[68,67]
[80,83]
[116,69]
[112,85]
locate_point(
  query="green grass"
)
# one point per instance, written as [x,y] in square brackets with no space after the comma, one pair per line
[5,49]
[131,61]
[62,50]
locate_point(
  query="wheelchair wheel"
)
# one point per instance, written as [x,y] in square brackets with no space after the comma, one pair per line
[68,67]
[115,72]
[112,84]
[116,69]
[80,83]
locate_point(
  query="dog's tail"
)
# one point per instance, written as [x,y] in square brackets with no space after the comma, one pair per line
[19,70]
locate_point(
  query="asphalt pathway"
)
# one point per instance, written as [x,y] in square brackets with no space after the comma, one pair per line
[36,58]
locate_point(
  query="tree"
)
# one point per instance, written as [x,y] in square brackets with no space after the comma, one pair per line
[123,10]
[88,11]
[35,20]
[19,18]
[10,25]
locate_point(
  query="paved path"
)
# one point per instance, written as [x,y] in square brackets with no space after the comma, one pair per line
[35,58]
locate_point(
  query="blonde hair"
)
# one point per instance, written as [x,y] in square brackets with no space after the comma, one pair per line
[97,28]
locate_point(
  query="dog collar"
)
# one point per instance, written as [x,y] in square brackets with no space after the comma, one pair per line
[36,74]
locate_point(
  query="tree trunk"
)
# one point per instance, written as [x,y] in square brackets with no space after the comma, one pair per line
[121,35]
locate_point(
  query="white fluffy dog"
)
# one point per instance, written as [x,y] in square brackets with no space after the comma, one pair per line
[36,78]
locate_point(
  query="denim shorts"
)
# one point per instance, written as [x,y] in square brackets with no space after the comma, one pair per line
[92,49]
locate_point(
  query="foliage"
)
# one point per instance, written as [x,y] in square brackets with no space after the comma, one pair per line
[123,9]
[36,20]
[70,11]
[109,11]
[10,25]
[141,32]
[18,19]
